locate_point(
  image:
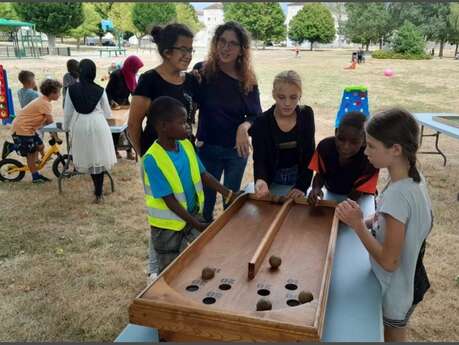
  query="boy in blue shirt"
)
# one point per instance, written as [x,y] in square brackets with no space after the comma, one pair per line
[28,92]
[173,176]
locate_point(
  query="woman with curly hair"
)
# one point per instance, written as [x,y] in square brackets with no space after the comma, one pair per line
[229,102]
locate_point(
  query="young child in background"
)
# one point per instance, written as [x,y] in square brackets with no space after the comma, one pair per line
[340,163]
[36,114]
[28,92]
[70,78]
[403,219]
[283,139]
[174,176]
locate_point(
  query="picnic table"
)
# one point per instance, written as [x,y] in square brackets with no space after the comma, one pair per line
[117,123]
[447,123]
[354,311]
[115,51]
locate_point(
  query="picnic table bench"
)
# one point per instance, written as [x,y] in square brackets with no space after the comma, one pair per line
[115,51]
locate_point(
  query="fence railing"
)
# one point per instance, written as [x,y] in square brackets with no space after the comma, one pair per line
[27,52]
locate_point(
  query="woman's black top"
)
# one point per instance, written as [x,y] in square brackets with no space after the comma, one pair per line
[152,86]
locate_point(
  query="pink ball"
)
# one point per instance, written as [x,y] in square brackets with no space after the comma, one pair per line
[388,72]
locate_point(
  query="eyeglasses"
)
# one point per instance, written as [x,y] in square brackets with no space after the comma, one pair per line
[231,44]
[184,50]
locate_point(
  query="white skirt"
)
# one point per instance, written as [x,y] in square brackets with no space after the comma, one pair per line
[92,145]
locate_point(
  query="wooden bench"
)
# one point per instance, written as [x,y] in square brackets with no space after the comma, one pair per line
[116,51]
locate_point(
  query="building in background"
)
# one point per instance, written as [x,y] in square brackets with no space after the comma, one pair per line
[211,16]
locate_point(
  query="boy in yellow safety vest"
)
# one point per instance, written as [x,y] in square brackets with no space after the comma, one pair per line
[173,176]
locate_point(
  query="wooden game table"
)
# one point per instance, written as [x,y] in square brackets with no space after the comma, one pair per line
[353,308]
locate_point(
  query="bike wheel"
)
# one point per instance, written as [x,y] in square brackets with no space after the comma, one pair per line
[9,170]
[59,164]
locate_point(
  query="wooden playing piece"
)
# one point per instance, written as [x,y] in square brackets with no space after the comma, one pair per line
[207,273]
[275,262]
[184,307]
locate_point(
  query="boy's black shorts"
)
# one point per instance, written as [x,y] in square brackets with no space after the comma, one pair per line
[26,144]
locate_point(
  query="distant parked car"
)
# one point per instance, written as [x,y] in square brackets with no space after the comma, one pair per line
[108,43]
[92,41]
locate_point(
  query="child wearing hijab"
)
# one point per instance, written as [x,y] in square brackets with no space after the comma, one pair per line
[85,112]
[121,85]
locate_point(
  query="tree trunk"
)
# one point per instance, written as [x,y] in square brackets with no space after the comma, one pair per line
[455,51]
[78,43]
[312,42]
[440,53]
[367,47]
[62,39]
[380,43]
[51,42]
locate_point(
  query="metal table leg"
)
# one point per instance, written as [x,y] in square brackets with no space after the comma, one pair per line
[437,138]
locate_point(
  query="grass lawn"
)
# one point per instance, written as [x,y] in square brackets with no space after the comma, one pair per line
[70,269]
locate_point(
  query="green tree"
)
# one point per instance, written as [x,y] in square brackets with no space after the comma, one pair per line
[89,27]
[367,22]
[431,19]
[453,21]
[146,15]
[437,28]
[186,14]
[409,40]
[265,21]
[7,11]
[103,9]
[52,18]
[313,23]
[121,16]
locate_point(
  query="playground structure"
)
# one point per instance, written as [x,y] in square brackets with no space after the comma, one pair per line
[26,42]
[355,98]
[7,113]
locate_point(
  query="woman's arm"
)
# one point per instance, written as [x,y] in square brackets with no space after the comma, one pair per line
[387,254]
[137,111]
[253,110]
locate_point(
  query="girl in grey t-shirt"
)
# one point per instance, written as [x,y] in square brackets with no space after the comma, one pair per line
[402,222]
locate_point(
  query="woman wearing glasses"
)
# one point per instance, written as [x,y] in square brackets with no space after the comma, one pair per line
[175,45]
[229,102]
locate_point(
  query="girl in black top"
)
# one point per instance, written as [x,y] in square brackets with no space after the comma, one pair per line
[175,45]
[283,139]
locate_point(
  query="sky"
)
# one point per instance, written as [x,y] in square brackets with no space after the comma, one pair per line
[201,5]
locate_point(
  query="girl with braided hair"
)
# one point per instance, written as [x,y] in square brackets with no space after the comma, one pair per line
[402,222]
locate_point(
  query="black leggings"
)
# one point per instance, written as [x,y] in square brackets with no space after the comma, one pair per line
[116,138]
[98,180]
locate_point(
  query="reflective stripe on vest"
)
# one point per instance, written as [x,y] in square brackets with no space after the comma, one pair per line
[159,215]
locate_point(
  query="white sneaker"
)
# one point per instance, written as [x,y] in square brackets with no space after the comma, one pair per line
[151,278]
